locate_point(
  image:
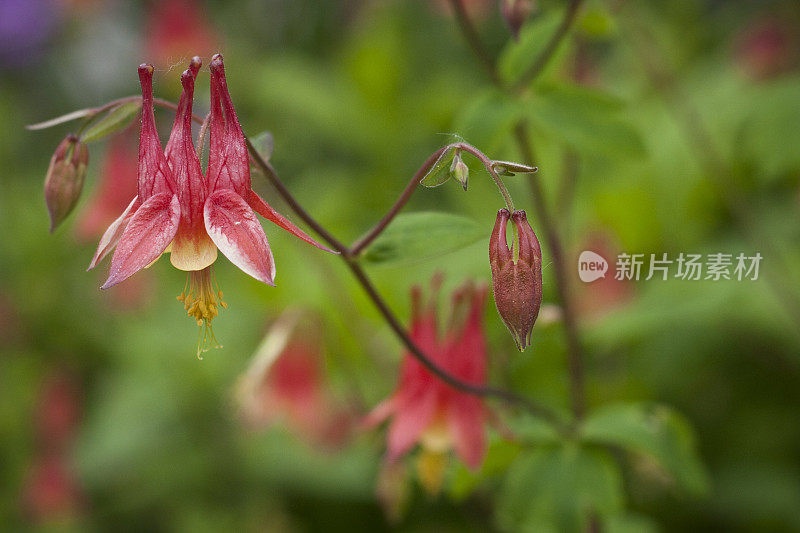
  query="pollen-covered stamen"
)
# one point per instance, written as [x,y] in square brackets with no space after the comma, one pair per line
[202,299]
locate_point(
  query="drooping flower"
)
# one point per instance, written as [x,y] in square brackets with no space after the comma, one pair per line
[516,275]
[285,384]
[178,209]
[424,409]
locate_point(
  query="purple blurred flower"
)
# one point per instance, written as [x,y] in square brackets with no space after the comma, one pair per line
[25,26]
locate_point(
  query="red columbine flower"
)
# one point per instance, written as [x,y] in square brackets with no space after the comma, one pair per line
[178,209]
[516,276]
[286,384]
[427,411]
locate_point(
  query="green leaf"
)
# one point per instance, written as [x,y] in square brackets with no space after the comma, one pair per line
[117,118]
[558,488]
[587,119]
[500,455]
[655,431]
[630,523]
[518,56]
[771,127]
[440,171]
[415,236]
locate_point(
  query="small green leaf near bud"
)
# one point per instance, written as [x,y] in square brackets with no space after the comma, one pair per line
[509,168]
[118,117]
[440,171]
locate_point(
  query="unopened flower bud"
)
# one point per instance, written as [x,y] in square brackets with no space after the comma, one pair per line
[516,275]
[64,181]
[460,170]
[515,13]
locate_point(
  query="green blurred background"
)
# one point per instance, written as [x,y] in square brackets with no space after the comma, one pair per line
[659,127]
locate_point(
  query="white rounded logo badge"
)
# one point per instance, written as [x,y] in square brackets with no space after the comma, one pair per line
[591,266]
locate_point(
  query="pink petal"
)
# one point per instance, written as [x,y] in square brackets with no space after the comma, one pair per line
[380,412]
[228,162]
[265,210]
[466,424]
[410,421]
[112,235]
[238,234]
[149,232]
[192,249]
[154,174]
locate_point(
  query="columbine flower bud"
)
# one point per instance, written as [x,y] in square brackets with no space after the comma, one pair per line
[64,181]
[516,276]
[515,13]
[460,170]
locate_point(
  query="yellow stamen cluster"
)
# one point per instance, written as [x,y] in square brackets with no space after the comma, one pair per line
[201,298]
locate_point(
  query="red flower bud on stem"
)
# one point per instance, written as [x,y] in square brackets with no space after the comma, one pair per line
[64,181]
[516,275]
[515,13]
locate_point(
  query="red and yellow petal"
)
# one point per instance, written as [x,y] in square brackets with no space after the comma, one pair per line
[238,234]
[148,233]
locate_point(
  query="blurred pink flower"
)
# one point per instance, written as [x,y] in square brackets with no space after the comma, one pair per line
[117,185]
[58,411]
[286,384]
[767,48]
[425,410]
[51,492]
[179,29]
[600,297]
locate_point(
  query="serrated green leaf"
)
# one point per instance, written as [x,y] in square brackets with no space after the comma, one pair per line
[655,431]
[117,118]
[558,488]
[586,119]
[440,171]
[518,56]
[416,236]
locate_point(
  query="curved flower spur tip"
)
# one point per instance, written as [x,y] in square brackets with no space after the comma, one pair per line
[229,162]
[149,232]
[265,210]
[499,253]
[238,234]
[195,64]
[154,175]
[64,181]
[516,277]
